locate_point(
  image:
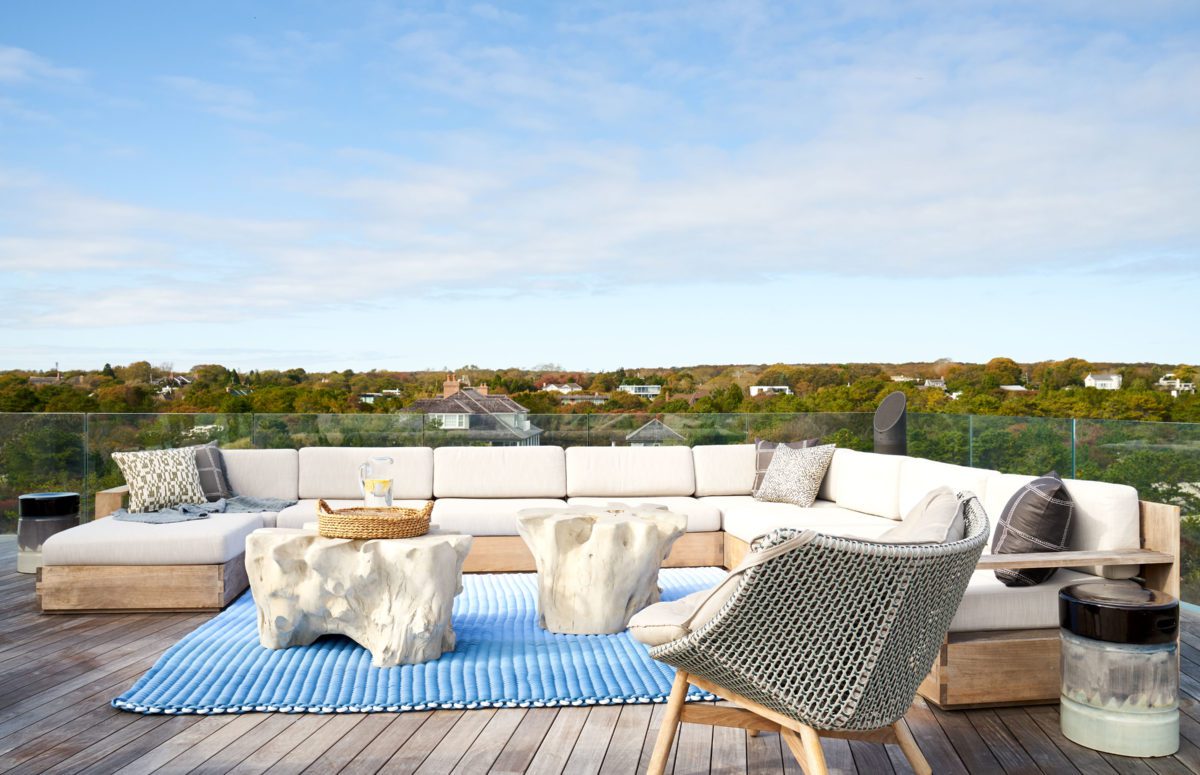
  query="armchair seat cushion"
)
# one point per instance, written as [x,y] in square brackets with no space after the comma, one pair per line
[701,517]
[106,541]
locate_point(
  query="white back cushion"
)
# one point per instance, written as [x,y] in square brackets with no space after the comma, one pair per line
[332,472]
[724,469]
[630,471]
[1107,516]
[864,481]
[499,472]
[919,476]
[262,473]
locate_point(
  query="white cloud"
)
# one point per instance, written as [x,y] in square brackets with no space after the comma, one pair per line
[232,102]
[18,65]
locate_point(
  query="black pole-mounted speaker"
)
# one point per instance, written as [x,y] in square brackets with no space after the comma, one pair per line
[891,425]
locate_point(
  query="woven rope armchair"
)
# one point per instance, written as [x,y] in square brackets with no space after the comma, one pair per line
[824,636]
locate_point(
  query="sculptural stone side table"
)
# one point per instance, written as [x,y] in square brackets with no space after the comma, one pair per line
[391,596]
[597,566]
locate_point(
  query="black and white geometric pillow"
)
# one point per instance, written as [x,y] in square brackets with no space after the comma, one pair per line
[160,478]
[214,480]
[764,452]
[795,475]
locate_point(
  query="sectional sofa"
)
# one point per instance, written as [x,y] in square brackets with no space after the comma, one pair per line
[1003,643]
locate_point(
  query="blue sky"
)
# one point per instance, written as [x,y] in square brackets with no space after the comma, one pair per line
[359,185]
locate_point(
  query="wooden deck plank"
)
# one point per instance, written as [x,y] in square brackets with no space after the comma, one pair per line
[230,756]
[449,750]
[932,740]
[592,744]
[520,749]
[871,757]
[371,727]
[316,743]
[971,748]
[1000,741]
[625,748]
[422,742]
[487,747]
[764,753]
[376,752]
[266,756]
[693,749]
[552,754]
[728,751]
[1085,760]
[1040,748]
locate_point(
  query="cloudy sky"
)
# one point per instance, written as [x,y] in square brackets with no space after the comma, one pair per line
[358,185]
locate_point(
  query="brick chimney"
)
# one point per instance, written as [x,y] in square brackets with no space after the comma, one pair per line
[482,389]
[450,386]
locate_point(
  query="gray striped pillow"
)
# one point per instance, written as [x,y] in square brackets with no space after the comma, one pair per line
[214,481]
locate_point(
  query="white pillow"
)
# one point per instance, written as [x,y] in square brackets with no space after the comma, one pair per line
[936,519]
[794,475]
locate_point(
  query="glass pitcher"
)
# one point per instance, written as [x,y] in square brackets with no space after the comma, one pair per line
[375,482]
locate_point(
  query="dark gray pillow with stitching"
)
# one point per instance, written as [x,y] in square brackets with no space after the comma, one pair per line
[214,480]
[1037,518]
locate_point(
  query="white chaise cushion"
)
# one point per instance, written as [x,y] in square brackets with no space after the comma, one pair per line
[332,472]
[989,605]
[108,541]
[724,469]
[701,516]
[618,472]
[1107,516]
[486,516]
[262,473]
[499,472]
[746,518]
[304,512]
[864,481]
[919,476]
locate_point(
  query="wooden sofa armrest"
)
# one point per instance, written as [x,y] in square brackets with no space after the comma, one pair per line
[1071,559]
[108,501]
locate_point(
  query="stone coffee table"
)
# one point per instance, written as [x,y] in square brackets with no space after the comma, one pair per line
[391,596]
[597,565]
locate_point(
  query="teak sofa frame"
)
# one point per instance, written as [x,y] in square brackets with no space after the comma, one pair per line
[973,669]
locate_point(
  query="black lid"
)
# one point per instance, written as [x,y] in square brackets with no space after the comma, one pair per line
[1118,612]
[48,504]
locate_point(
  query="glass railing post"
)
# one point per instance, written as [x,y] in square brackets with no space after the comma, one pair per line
[971,440]
[1074,446]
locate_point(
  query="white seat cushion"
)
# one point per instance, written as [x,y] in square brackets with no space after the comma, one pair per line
[989,605]
[724,469]
[746,518]
[485,516]
[262,473]
[919,476]
[864,481]
[623,472]
[701,517]
[1107,516]
[107,541]
[300,514]
[332,472]
[499,472]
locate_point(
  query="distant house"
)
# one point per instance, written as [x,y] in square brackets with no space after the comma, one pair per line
[770,390]
[902,378]
[567,389]
[1175,385]
[584,398]
[370,398]
[642,391]
[1015,389]
[476,417]
[1103,381]
[940,384]
[653,434]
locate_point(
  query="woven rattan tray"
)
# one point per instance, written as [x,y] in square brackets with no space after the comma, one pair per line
[363,522]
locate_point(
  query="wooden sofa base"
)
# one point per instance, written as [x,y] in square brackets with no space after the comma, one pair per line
[509,554]
[990,669]
[140,588]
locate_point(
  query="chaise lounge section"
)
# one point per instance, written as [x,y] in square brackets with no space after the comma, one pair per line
[1003,642]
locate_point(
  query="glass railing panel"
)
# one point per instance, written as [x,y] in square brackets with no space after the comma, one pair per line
[40,453]
[293,431]
[1162,461]
[1022,445]
[942,437]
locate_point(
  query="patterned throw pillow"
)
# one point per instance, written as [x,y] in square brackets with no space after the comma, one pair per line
[1037,518]
[160,478]
[795,475]
[214,481]
[764,451]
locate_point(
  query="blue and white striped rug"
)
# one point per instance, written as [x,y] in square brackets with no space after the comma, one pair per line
[502,659]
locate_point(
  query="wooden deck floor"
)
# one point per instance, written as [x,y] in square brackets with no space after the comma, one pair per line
[58,674]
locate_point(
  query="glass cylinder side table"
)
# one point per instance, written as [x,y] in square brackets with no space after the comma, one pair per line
[39,516]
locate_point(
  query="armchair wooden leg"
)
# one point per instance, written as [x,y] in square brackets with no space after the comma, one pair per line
[908,745]
[806,747]
[666,732]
